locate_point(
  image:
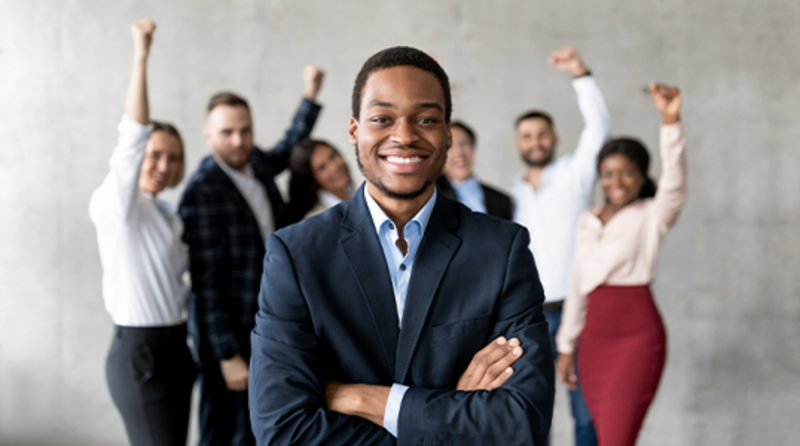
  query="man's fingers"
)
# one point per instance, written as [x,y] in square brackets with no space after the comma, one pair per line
[501,379]
[498,367]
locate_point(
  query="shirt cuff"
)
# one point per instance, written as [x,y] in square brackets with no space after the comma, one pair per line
[133,129]
[392,412]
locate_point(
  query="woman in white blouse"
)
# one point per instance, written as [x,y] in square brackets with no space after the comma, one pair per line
[149,369]
[320,179]
[610,317]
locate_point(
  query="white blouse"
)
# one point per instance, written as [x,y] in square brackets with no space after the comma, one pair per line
[624,250]
[139,238]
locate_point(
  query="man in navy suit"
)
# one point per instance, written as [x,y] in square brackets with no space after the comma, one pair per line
[373,315]
[230,206]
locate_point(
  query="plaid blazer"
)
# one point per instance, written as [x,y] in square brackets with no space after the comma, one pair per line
[226,251]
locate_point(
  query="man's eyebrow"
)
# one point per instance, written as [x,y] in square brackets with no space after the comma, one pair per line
[381,104]
[426,105]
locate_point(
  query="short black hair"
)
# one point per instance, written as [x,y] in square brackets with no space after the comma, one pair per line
[399,56]
[536,114]
[470,134]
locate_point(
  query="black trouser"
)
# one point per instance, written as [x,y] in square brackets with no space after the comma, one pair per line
[150,374]
[224,415]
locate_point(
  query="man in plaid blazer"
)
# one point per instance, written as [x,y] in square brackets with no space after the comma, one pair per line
[230,206]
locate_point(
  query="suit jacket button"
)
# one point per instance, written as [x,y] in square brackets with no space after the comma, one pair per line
[402,267]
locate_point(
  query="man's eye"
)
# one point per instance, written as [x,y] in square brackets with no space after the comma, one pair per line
[427,120]
[380,120]
[226,133]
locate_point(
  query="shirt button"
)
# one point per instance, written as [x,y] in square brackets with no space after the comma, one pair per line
[402,267]
[391,226]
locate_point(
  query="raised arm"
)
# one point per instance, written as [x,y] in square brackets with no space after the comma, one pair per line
[672,189]
[597,121]
[303,122]
[287,384]
[119,192]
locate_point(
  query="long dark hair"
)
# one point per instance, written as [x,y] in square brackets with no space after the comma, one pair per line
[303,186]
[635,151]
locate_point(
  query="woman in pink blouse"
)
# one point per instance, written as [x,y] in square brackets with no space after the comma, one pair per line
[609,310]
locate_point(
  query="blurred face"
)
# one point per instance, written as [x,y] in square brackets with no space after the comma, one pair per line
[401,136]
[329,169]
[229,132]
[460,157]
[163,161]
[620,179]
[536,142]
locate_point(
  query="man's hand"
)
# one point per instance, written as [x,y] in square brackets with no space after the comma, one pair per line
[142,32]
[491,366]
[312,77]
[668,102]
[565,367]
[567,59]
[235,372]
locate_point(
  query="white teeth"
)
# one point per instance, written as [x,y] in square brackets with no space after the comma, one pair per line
[401,160]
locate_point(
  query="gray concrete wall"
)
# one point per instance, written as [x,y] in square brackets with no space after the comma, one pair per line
[727,281]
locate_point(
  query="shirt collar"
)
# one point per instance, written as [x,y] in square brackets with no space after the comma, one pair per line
[469,183]
[230,171]
[379,218]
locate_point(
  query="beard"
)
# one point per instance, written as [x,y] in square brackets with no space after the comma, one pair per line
[377,182]
[537,163]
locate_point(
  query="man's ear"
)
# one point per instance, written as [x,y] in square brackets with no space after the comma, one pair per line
[352,131]
[555,140]
[207,134]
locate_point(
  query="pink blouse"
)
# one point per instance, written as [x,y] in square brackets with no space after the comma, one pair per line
[624,250]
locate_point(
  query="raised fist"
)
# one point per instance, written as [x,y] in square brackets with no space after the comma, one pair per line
[567,59]
[142,31]
[312,77]
[668,101]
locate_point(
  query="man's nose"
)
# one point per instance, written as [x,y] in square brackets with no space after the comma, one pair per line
[236,139]
[404,133]
[163,164]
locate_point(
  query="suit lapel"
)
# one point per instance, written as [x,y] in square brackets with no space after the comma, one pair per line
[436,250]
[361,246]
[229,188]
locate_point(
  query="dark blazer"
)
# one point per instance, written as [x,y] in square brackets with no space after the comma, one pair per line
[327,312]
[225,245]
[497,203]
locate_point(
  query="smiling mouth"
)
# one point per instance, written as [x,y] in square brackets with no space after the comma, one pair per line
[404,160]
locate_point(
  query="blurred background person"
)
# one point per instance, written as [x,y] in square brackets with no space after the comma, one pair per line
[320,179]
[149,369]
[230,206]
[458,181]
[610,315]
[549,196]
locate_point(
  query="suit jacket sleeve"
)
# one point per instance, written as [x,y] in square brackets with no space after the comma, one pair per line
[519,412]
[287,379]
[303,122]
[204,233]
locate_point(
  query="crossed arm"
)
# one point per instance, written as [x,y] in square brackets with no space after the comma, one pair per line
[292,403]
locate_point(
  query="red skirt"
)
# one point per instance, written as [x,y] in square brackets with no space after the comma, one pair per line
[622,351]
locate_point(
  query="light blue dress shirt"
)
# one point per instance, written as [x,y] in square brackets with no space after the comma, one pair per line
[470,194]
[400,271]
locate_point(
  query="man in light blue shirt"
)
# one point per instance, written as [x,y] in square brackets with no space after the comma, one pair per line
[458,181]
[374,316]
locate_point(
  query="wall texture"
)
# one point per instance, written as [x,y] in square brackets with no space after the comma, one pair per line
[727,282]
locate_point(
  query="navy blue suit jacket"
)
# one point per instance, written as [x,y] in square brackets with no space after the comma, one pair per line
[226,250]
[327,312]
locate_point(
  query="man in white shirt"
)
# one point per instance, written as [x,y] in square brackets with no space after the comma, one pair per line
[230,206]
[550,194]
